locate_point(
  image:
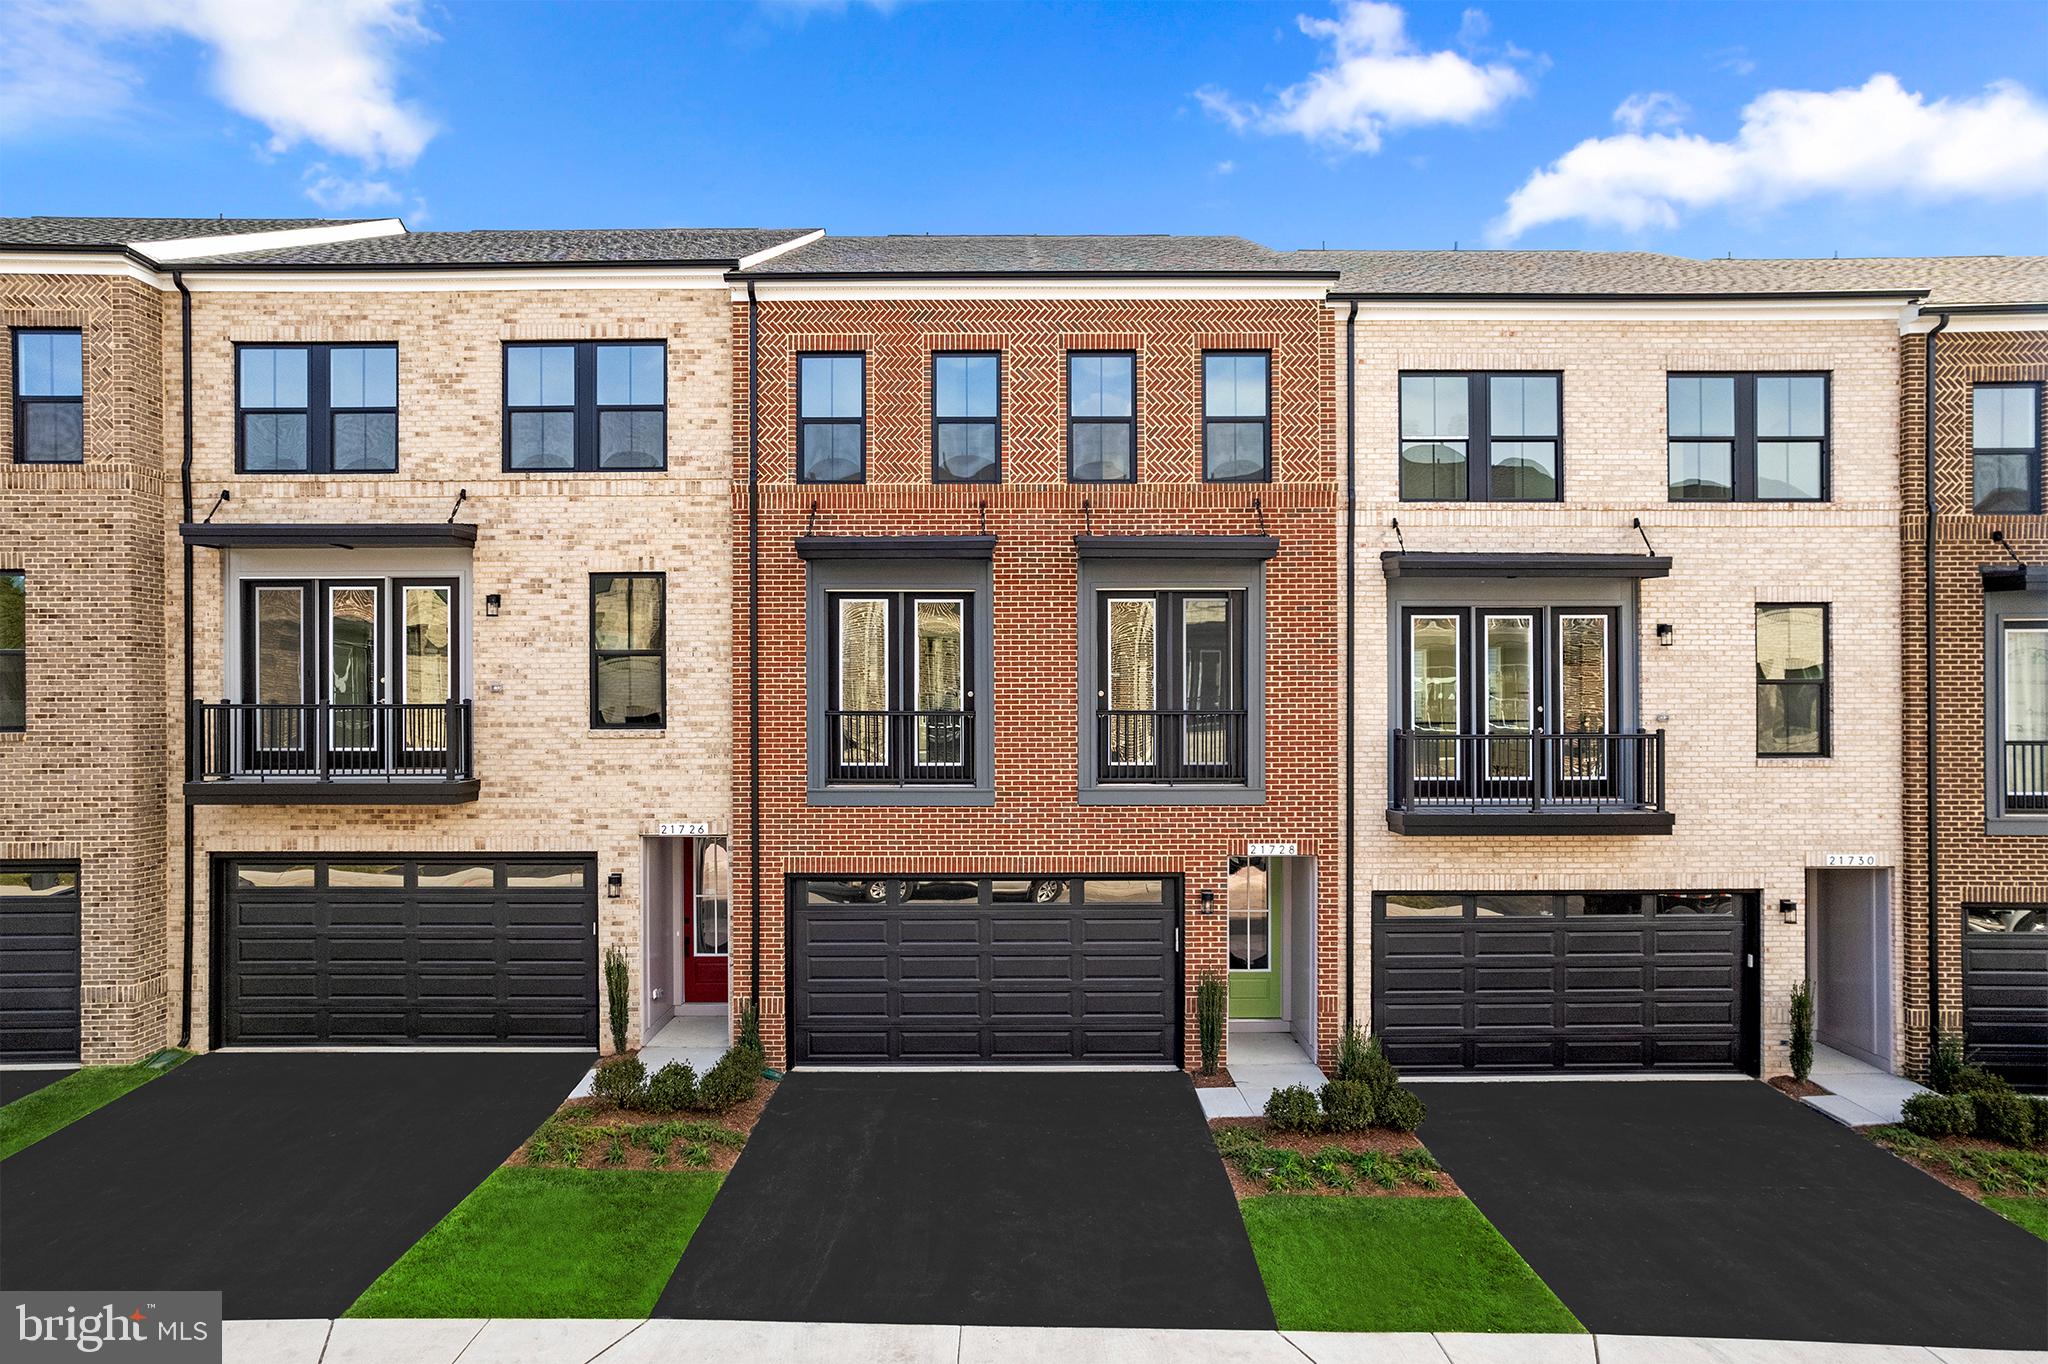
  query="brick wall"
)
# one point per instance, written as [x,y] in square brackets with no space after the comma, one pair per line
[1036,822]
[85,781]
[1976,866]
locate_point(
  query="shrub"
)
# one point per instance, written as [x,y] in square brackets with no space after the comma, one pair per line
[621,1081]
[750,1025]
[1802,1030]
[1947,1063]
[1352,1053]
[616,994]
[1292,1108]
[1212,1001]
[730,1081]
[2040,1107]
[1940,1115]
[672,1089]
[1402,1110]
[2004,1116]
[1977,1080]
[1347,1106]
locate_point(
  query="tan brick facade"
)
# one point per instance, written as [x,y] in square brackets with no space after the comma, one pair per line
[85,781]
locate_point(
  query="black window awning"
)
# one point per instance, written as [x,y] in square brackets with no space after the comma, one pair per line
[895,546]
[2013,578]
[1176,546]
[1396,564]
[366,535]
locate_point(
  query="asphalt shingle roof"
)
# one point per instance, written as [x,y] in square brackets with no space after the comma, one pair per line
[44,231]
[589,246]
[1033,255]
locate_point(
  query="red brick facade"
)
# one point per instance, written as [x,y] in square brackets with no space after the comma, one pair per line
[1037,822]
[1975,865]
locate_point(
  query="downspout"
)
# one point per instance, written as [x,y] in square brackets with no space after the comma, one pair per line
[185,494]
[1927,659]
[1350,656]
[754,642]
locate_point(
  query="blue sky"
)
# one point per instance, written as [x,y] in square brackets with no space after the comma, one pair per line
[1770,129]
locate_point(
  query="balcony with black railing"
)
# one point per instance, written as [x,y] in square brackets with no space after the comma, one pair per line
[899,747]
[1171,747]
[319,752]
[2025,777]
[1519,782]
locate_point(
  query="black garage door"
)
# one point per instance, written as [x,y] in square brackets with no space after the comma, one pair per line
[419,951]
[985,970]
[2005,991]
[38,961]
[1546,982]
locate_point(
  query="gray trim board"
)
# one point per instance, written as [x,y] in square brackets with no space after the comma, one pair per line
[811,548]
[368,535]
[332,792]
[2018,603]
[1176,546]
[1399,564]
[1493,822]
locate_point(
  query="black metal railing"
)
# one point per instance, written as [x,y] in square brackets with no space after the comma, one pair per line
[1499,772]
[1170,746]
[2026,774]
[899,747]
[322,741]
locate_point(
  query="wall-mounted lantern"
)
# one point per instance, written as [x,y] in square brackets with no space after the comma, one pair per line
[1664,633]
[491,603]
[1790,910]
[614,885]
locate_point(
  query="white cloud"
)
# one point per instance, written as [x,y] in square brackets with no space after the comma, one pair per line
[1875,139]
[1374,78]
[52,73]
[1225,167]
[336,192]
[1657,109]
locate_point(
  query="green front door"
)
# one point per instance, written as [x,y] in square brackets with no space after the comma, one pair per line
[1256,948]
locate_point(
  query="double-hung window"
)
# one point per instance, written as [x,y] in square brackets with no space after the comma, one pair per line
[831,418]
[1102,417]
[1237,416]
[2022,698]
[13,651]
[1791,680]
[966,418]
[316,409]
[1481,437]
[49,395]
[1747,437]
[902,707]
[2005,448]
[628,650]
[587,405]
[1170,690]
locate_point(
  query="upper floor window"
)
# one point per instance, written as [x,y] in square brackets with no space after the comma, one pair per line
[1102,417]
[587,405]
[2021,695]
[1747,437]
[49,396]
[1237,416]
[1480,437]
[13,651]
[831,418]
[2005,448]
[1170,686]
[1791,681]
[316,409]
[902,710]
[628,650]
[966,418]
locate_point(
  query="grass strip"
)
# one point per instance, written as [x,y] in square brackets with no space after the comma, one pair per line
[56,1106]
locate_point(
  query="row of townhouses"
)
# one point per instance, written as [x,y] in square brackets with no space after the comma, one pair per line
[959,647]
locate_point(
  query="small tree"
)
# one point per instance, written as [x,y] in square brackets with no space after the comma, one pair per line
[1212,1001]
[1802,1030]
[750,1026]
[616,993]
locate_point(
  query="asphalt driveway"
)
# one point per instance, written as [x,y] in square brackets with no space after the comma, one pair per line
[288,1182]
[1677,1208]
[977,1199]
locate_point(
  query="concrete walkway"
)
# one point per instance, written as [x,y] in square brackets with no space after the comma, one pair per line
[697,1038]
[683,1342]
[1260,1062]
[1859,1094]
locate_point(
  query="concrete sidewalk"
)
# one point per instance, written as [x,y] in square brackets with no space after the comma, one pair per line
[508,1341]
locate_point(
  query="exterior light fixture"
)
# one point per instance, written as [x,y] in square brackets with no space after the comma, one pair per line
[1790,910]
[615,886]
[1208,899]
[491,603]
[1664,633]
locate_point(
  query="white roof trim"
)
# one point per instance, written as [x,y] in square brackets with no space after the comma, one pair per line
[31,262]
[770,253]
[233,243]
[1046,287]
[1629,310]
[451,279]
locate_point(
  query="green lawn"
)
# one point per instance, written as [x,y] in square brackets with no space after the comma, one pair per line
[2031,1213]
[549,1243]
[1394,1264]
[32,1117]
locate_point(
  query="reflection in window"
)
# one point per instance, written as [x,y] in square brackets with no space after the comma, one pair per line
[49,396]
[2005,918]
[37,883]
[712,918]
[1791,680]
[1435,429]
[629,650]
[1760,437]
[1101,892]
[2023,702]
[13,650]
[1102,424]
[546,876]
[1251,915]
[366,876]
[455,876]
[1133,677]
[1424,906]
[1237,433]
[831,420]
[2005,445]
[1514,906]
[1601,905]
[274,878]
[965,431]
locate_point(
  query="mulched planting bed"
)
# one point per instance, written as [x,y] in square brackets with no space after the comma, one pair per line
[1220,1080]
[1970,1165]
[1798,1089]
[594,1134]
[1373,1163]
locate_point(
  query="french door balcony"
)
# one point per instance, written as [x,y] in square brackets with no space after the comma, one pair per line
[383,751]
[1171,746]
[1503,780]
[900,747]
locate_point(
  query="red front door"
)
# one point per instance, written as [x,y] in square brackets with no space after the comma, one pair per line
[707,922]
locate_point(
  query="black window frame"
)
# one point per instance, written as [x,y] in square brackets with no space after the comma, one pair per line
[1742,457]
[1826,681]
[586,413]
[1479,433]
[1169,681]
[319,410]
[900,648]
[995,423]
[659,651]
[22,401]
[1067,381]
[2032,454]
[1265,423]
[20,651]
[860,423]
